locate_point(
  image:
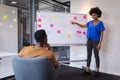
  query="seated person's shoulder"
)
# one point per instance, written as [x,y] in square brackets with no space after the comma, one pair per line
[27,47]
[25,50]
[49,51]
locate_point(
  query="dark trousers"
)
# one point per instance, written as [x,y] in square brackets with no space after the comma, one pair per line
[91,45]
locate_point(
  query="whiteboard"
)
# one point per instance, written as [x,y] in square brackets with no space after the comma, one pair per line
[8,29]
[59,28]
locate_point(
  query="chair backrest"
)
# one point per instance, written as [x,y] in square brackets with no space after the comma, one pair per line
[33,68]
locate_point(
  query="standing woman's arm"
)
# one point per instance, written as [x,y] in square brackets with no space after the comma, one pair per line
[101,39]
[80,25]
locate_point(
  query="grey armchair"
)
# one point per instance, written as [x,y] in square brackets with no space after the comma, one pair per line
[33,68]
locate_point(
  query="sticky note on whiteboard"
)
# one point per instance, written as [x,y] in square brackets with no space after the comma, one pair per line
[39,25]
[1,24]
[58,31]
[84,33]
[75,18]
[84,17]
[78,32]
[13,11]
[39,20]
[54,17]
[51,25]
[5,17]
[69,36]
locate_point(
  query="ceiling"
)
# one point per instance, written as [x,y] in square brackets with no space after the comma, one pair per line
[24,4]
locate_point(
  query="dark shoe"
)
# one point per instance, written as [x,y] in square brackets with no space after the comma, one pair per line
[86,73]
[96,74]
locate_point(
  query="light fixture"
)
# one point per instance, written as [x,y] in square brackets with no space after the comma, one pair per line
[13,2]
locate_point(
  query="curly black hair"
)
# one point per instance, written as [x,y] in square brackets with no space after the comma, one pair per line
[40,36]
[96,10]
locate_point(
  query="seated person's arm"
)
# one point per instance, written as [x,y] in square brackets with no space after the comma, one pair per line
[21,53]
[55,62]
[47,45]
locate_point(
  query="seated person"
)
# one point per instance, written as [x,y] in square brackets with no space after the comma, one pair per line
[41,48]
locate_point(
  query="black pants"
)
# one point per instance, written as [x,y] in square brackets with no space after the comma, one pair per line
[92,45]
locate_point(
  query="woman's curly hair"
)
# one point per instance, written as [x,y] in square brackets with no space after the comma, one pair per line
[95,10]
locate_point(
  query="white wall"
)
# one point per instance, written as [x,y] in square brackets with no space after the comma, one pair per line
[8,29]
[110,52]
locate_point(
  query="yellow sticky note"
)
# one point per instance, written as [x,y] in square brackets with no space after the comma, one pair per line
[40,22]
[54,17]
[69,36]
[5,17]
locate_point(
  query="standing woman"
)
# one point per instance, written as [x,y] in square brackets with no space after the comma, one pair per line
[95,31]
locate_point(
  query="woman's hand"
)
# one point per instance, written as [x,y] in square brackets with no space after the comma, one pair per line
[98,46]
[73,22]
[80,25]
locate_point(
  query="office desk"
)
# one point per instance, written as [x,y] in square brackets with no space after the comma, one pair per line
[6,64]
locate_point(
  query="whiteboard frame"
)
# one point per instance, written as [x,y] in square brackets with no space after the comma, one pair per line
[81,44]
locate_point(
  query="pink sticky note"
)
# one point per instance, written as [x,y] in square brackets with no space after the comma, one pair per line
[39,26]
[84,33]
[39,20]
[11,26]
[58,31]
[51,25]
[13,11]
[75,18]
[78,32]
[84,17]
[1,24]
